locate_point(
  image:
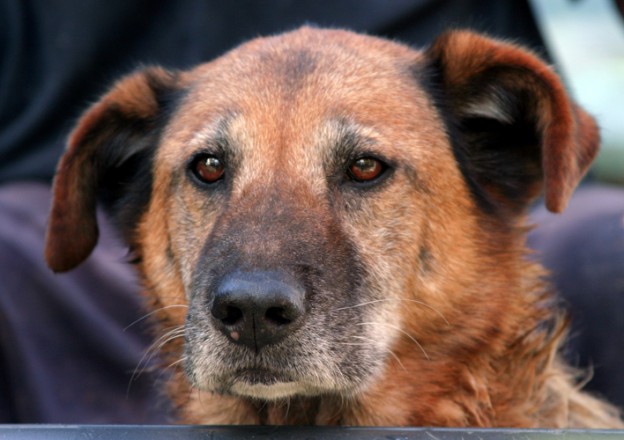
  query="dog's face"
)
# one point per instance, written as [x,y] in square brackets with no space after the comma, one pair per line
[285,187]
[323,202]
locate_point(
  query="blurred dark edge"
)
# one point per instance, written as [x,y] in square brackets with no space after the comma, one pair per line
[619,4]
[131,432]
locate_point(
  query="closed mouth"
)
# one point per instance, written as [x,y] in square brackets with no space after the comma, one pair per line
[264,384]
[260,376]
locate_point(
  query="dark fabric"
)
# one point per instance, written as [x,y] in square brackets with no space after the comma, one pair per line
[584,249]
[57,56]
[68,350]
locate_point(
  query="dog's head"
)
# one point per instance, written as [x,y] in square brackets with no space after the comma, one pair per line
[320,197]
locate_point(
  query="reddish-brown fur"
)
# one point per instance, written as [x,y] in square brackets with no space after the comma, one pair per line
[473,332]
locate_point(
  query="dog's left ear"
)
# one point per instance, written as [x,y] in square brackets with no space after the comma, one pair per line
[112,144]
[518,130]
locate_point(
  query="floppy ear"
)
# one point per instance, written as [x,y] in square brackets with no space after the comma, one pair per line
[518,130]
[108,158]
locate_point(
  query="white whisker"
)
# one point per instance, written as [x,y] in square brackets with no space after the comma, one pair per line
[179,361]
[152,350]
[147,315]
[370,341]
[367,303]
[287,409]
[399,330]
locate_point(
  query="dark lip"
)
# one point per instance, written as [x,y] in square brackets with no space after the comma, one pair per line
[261,376]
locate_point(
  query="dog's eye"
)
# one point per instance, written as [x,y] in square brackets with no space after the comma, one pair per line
[208,168]
[365,169]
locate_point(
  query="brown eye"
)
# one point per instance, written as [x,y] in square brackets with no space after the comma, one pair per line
[365,169]
[208,168]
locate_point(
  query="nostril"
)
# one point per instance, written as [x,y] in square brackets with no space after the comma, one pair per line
[227,312]
[277,316]
[232,316]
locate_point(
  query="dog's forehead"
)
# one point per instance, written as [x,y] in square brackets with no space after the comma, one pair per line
[290,93]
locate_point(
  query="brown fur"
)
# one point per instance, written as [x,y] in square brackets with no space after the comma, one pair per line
[424,308]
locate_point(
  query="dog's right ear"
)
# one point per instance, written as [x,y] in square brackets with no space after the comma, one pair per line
[110,144]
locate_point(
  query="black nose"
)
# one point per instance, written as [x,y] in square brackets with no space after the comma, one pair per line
[256,309]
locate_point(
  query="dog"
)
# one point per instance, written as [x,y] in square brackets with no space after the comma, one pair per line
[330,228]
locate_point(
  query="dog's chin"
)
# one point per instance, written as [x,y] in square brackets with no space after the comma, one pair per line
[264,384]
[274,391]
[259,384]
